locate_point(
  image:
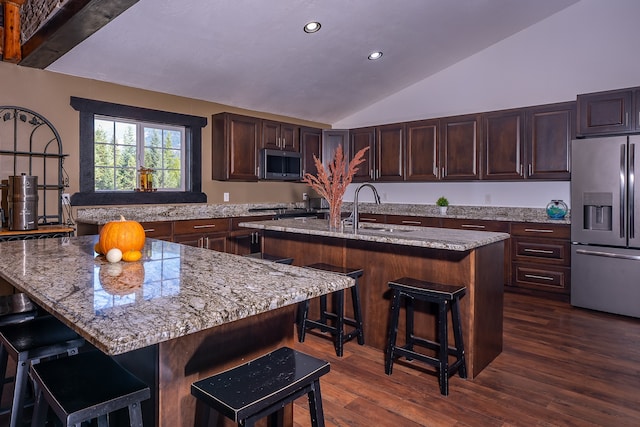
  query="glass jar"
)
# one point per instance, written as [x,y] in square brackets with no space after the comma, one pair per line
[557,209]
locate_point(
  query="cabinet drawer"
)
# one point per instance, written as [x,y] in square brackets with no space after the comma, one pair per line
[541,250]
[157,229]
[375,218]
[418,221]
[201,226]
[542,277]
[549,231]
[475,225]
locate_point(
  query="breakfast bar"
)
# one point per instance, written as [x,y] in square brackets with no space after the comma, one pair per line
[178,315]
[387,252]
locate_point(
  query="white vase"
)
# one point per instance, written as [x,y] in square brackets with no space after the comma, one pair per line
[443,210]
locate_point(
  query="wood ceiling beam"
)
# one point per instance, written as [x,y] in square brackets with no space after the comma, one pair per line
[74,22]
[11,34]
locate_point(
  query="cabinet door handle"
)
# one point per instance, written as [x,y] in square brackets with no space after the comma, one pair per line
[530,169]
[195,227]
[537,230]
[535,276]
[367,220]
[411,222]
[538,251]
[472,226]
[149,230]
[521,169]
[443,172]
[626,119]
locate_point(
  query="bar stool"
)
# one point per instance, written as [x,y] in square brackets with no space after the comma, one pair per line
[27,343]
[269,257]
[445,296]
[261,387]
[338,314]
[86,386]
[16,308]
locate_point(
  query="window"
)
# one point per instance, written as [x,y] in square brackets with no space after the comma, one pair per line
[116,140]
[122,147]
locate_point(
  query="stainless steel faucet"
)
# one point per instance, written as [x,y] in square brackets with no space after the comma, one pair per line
[355,215]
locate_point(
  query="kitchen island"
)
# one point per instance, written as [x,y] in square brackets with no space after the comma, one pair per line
[180,314]
[387,252]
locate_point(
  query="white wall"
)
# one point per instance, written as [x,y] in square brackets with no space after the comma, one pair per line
[588,47]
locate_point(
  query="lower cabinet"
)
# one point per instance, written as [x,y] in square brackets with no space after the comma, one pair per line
[161,230]
[243,241]
[202,233]
[541,257]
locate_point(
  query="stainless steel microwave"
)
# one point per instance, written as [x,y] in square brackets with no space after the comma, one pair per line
[280,165]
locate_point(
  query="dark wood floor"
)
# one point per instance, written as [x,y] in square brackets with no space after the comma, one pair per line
[561,366]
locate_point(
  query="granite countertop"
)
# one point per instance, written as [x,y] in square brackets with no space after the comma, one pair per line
[174,291]
[143,213]
[426,237]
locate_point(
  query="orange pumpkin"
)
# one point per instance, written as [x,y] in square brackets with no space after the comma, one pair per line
[124,235]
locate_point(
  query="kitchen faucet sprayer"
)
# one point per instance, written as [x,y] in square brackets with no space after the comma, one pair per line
[355,214]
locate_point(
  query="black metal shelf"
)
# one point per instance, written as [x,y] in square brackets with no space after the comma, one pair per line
[20,128]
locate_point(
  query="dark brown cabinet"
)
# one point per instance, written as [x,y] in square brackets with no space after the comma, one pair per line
[202,233]
[389,159]
[235,145]
[422,145]
[541,256]
[243,241]
[529,143]
[161,230]
[280,136]
[604,113]
[460,137]
[359,139]
[373,218]
[503,148]
[310,145]
[416,221]
[550,129]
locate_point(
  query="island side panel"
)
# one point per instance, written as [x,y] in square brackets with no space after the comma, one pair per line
[193,357]
[488,304]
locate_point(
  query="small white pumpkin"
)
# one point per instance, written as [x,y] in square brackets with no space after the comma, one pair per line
[114,255]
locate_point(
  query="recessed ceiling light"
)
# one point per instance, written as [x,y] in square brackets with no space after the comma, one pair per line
[375,55]
[312,27]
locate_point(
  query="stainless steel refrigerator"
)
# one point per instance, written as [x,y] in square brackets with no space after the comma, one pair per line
[605,224]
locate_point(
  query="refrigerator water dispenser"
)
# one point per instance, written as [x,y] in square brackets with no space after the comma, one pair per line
[597,211]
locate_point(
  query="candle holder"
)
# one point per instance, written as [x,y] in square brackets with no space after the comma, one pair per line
[145,179]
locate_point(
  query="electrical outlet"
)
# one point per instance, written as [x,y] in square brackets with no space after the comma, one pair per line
[225,197]
[305,196]
[66,199]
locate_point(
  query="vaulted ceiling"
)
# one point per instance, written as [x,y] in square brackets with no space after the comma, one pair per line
[254,54]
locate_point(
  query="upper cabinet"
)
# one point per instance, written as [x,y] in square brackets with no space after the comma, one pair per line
[606,113]
[280,136]
[384,161]
[460,137]
[549,131]
[359,139]
[310,146]
[235,145]
[529,143]
[422,145]
[503,154]
[389,162]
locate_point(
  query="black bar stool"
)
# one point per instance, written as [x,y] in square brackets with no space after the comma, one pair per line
[337,316]
[269,257]
[16,308]
[263,386]
[27,343]
[86,386]
[445,296]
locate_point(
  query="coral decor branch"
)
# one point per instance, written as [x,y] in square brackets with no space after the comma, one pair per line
[332,184]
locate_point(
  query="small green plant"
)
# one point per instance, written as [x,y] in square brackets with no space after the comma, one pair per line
[442,201]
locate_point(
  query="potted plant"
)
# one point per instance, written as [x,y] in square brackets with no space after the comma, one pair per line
[442,202]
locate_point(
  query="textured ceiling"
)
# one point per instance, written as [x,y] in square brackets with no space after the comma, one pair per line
[253,54]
